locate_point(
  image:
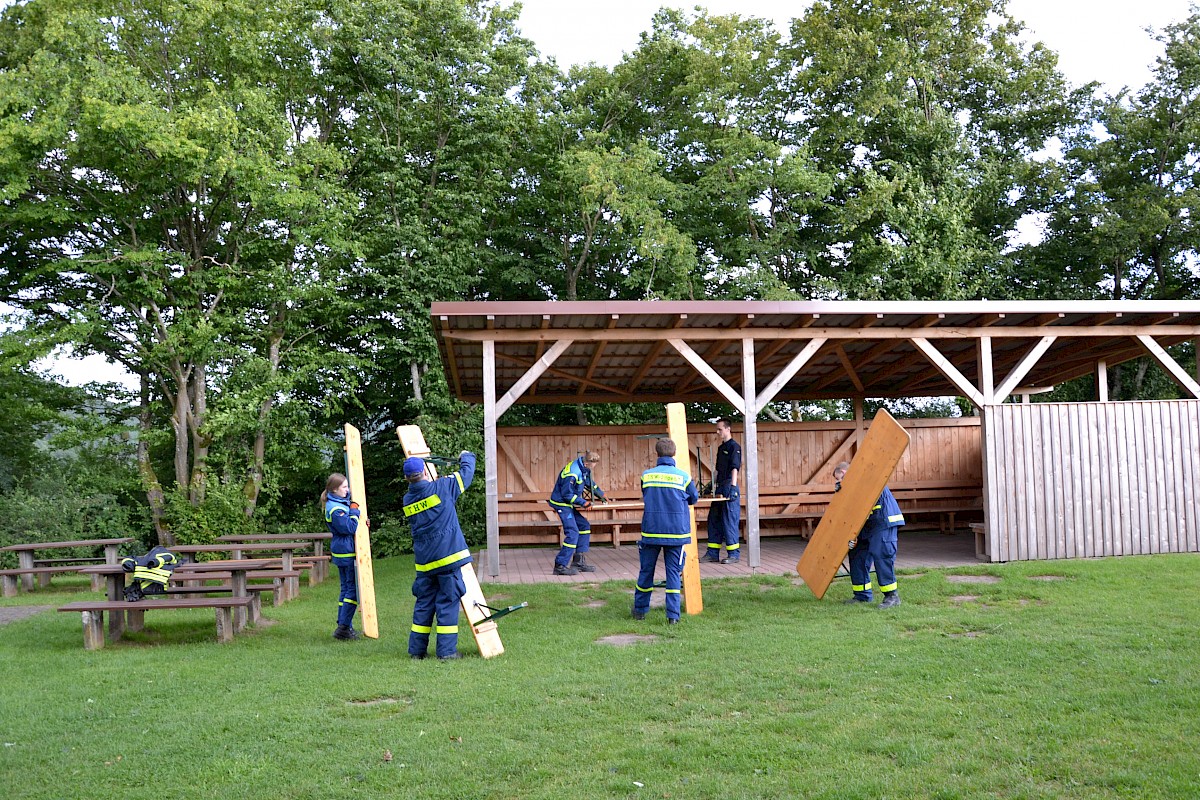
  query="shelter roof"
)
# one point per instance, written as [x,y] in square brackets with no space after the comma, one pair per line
[626,351]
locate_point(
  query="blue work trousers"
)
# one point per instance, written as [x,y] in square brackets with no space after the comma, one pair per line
[577,534]
[877,546]
[347,594]
[436,595]
[723,521]
[673,556]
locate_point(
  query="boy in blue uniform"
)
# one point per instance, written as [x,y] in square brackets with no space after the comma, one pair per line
[573,491]
[341,515]
[667,491]
[723,518]
[439,551]
[876,544]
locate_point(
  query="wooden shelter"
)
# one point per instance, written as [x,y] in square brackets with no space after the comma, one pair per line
[1059,479]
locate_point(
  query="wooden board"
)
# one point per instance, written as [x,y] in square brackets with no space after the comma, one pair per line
[693,599]
[848,510]
[474,604]
[362,536]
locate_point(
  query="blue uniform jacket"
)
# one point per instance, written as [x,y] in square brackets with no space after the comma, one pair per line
[885,516]
[343,522]
[438,542]
[667,492]
[574,478]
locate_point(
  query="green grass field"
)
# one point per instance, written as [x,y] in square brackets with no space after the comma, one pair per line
[1082,686]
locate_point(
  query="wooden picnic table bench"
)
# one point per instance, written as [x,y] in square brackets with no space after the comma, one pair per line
[319,571]
[287,550]
[93,613]
[30,567]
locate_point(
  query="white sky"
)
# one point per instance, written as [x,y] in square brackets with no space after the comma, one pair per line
[1103,40]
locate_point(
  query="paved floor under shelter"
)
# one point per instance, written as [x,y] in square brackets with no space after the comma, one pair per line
[778,557]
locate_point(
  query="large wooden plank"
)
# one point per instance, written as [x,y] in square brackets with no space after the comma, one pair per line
[881,450]
[693,598]
[474,604]
[362,536]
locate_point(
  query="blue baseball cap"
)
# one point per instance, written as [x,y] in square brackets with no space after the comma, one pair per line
[414,466]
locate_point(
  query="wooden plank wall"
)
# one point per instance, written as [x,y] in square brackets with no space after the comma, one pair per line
[1078,480]
[944,453]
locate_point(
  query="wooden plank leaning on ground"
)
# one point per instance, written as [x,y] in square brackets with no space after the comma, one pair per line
[881,450]
[693,599]
[362,537]
[474,604]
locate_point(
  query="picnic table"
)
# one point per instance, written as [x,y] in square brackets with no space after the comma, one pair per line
[237,550]
[319,566]
[30,565]
[132,616]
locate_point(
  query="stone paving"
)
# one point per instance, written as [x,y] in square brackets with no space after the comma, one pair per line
[778,556]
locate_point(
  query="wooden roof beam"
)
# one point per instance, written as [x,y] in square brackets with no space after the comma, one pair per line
[702,367]
[781,380]
[1170,365]
[846,365]
[951,372]
[1018,373]
[530,377]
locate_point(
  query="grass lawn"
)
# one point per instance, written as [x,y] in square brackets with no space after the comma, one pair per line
[1086,685]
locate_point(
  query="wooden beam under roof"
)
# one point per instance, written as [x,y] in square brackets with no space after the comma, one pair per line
[561,373]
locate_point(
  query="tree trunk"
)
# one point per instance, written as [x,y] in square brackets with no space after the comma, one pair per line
[179,425]
[255,481]
[150,483]
[200,440]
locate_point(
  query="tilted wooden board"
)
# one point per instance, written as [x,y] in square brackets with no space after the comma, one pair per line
[869,472]
[362,536]
[693,599]
[474,604]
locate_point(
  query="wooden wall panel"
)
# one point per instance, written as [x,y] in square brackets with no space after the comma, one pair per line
[1093,479]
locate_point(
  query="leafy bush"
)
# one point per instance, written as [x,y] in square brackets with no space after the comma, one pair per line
[222,513]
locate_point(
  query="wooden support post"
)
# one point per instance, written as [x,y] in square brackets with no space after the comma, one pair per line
[693,600]
[491,480]
[1102,381]
[987,380]
[749,474]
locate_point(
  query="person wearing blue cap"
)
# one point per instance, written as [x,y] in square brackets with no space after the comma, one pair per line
[439,551]
[342,517]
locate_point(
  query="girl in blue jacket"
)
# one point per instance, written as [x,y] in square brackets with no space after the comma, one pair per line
[342,515]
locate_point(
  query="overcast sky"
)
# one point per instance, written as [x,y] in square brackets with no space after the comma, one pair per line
[1103,40]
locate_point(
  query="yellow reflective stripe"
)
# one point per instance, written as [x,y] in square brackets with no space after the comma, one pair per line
[585,531]
[891,587]
[861,587]
[441,562]
[664,480]
[712,546]
[348,600]
[733,546]
[422,505]
[421,628]
[447,629]
[672,591]
[563,505]
[687,536]
[896,518]
[341,555]
[568,544]
[640,589]
[458,478]
[876,508]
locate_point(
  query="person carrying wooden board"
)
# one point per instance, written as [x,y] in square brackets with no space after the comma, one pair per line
[439,551]
[341,515]
[876,544]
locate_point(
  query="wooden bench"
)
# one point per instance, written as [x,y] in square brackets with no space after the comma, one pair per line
[183,582]
[9,577]
[93,614]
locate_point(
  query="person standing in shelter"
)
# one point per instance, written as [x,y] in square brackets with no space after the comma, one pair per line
[875,546]
[439,552]
[667,491]
[574,491]
[724,518]
[342,517]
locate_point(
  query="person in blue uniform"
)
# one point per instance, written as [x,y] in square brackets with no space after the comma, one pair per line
[342,517]
[439,552]
[573,492]
[875,546]
[723,518]
[667,491]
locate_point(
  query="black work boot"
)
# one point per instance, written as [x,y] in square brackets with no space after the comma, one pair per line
[890,600]
[345,633]
[563,569]
[580,564]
